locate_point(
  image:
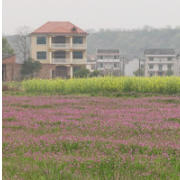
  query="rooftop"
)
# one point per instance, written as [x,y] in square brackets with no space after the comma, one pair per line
[59,28]
[108,51]
[159,52]
[7,56]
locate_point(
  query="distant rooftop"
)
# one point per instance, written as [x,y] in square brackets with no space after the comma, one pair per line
[108,51]
[159,52]
[7,56]
[59,28]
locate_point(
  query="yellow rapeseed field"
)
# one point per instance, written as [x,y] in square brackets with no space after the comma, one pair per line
[170,85]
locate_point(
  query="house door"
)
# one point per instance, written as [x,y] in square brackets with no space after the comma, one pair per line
[3,75]
[160,73]
[3,72]
[61,71]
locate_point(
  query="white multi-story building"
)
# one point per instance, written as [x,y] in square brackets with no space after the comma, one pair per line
[158,61]
[108,61]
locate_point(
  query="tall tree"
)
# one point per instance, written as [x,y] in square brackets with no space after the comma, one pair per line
[169,72]
[21,39]
[6,48]
[139,73]
[82,73]
[30,67]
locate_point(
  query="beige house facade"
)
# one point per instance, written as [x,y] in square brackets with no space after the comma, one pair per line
[61,47]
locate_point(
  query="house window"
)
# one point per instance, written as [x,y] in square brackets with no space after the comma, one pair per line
[108,57]
[160,67]
[151,58]
[151,66]
[100,57]
[116,57]
[77,40]
[101,65]
[59,39]
[60,54]
[41,55]
[169,66]
[151,74]
[116,65]
[169,58]
[41,40]
[77,55]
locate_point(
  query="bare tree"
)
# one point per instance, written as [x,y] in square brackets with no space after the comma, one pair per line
[21,41]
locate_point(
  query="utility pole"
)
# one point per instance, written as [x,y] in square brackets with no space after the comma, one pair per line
[120,65]
[178,68]
[139,67]
[123,66]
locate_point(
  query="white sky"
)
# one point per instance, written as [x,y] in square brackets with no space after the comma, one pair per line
[90,14]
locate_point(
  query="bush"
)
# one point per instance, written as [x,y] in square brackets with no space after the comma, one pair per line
[30,67]
[95,73]
[82,73]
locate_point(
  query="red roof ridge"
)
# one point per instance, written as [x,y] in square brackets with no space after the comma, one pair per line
[8,56]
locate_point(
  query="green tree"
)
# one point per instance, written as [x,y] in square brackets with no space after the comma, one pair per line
[82,73]
[169,72]
[6,48]
[95,73]
[136,73]
[30,67]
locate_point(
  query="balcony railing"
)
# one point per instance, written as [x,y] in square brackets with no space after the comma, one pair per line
[79,61]
[60,60]
[67,61]
[60,46]
[79,46]
[108,60]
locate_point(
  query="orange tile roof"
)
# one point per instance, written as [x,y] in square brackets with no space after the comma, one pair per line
[58,28]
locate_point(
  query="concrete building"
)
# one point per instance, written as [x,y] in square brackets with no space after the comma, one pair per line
[108,61]
[158,61]
[60,47]
[11,70]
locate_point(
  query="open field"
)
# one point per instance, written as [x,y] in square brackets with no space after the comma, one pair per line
[82,137]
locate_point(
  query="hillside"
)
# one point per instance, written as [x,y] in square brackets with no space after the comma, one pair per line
[133,42]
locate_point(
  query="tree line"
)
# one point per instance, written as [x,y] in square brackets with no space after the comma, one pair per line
[132,43]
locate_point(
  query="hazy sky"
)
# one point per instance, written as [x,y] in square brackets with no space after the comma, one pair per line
[90,14]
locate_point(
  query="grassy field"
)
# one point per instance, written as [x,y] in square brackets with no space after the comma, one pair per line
[83,137]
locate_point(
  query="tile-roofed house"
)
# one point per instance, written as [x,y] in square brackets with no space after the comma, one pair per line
[10,69]
[61,48]
[58,27]
[159,51]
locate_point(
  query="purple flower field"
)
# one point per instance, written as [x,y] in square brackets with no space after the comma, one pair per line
[82,137]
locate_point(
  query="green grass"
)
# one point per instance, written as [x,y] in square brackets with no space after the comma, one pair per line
[173,119]
[111,169]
